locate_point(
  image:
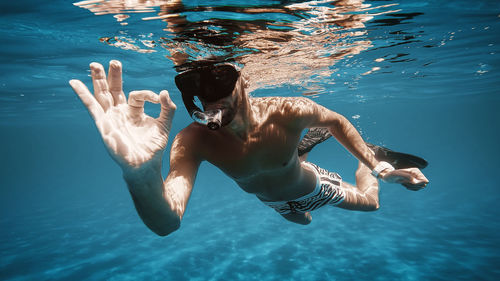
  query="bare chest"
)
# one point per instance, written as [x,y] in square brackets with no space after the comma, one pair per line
[268,150]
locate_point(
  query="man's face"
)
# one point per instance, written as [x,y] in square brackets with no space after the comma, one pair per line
[229,106]
[214,86]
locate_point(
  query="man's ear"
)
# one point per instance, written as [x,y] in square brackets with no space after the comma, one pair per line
[244,80]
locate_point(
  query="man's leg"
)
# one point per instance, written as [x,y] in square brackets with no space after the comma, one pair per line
[300,218]
[363,196]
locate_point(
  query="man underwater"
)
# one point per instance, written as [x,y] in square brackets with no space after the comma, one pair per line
[252,140]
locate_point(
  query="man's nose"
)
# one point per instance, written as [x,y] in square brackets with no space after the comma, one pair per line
[214,105]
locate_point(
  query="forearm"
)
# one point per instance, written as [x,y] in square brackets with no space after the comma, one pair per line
[156,211]
[312,114]
[350,138]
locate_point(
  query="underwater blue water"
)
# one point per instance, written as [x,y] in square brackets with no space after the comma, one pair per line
[427,83]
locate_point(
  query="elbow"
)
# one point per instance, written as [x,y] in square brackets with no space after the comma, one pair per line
[167,228]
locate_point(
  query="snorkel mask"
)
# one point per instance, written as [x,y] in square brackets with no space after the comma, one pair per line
[210,84]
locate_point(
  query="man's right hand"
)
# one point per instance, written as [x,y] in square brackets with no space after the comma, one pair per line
[135,140]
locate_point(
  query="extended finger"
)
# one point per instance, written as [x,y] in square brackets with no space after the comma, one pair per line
[419,176]
[115,82]
[411,187]
[87,98]
[414,187]
[168,108]
[101,90]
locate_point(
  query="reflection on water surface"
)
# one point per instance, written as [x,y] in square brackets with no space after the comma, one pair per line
[287,42]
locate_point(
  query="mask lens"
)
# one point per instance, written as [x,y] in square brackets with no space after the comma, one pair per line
[210,83]
[224,78]
[189,82]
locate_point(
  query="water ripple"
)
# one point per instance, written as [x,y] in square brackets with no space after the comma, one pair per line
[294,43]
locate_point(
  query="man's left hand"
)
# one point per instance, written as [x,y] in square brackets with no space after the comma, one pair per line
[411,178]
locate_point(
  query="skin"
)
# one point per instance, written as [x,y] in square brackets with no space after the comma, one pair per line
[257,149]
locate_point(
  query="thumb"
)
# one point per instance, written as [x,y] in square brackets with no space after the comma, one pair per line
[168,108]
[166,102]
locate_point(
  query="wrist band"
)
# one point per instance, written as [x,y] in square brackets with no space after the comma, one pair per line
[382,166]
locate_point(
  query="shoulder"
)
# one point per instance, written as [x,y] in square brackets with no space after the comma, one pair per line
[281,100]
[295,112]
[286,106]
[188,142]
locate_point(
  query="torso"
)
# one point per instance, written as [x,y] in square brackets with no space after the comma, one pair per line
[265,161]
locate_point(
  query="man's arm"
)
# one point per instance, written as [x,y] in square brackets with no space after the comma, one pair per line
[161,204]
[137,142]
[310,114]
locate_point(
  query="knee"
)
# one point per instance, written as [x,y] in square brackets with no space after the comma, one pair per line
[307,218]
[372,207]
[303,219]
[370,203]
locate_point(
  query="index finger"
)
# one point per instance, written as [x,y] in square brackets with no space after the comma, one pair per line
[94,108]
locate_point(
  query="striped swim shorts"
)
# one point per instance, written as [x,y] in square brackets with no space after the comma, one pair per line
[328,191]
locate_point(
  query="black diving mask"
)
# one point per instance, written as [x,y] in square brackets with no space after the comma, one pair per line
[210,84]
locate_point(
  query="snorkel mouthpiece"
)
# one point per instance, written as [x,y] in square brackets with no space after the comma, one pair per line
[211,118]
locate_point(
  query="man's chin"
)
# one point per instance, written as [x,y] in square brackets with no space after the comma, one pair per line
[228,116]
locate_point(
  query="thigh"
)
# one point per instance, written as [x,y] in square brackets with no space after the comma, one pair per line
[346,185]
[356,200]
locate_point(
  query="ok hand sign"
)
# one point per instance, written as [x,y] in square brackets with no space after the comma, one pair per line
[134,139]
